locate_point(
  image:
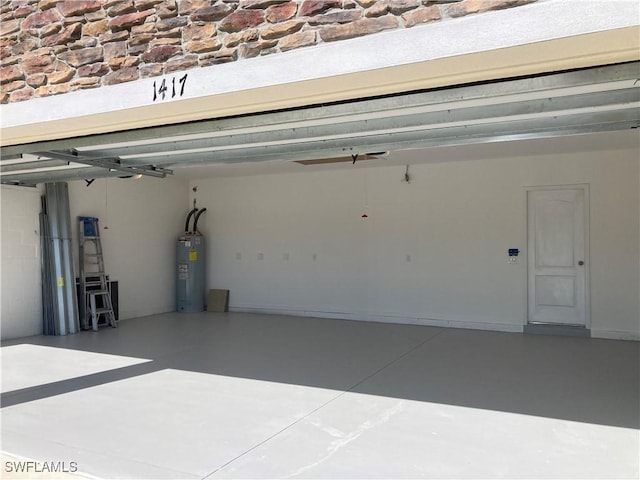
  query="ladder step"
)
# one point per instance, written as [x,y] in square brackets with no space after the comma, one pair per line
[103,310]
[98,292]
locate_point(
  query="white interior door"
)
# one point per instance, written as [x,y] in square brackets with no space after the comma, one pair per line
[556,256]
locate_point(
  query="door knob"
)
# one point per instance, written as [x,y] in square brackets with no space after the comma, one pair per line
[580,263]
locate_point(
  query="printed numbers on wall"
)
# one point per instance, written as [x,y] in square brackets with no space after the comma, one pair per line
[174,87]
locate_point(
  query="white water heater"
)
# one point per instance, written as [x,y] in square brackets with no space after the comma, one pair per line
[191,262]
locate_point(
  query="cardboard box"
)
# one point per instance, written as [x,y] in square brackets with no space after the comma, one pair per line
[218,301]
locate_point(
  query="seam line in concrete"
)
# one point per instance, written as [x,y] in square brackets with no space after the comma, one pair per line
[341,394]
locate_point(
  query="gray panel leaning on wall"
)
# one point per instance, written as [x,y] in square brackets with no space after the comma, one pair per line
[60,309]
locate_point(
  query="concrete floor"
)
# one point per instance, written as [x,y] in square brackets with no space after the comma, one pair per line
[256,396]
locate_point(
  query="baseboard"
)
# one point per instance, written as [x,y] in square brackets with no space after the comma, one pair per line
[380,318]
[613,335]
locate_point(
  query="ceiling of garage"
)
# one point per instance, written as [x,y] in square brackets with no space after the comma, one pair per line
[603,99]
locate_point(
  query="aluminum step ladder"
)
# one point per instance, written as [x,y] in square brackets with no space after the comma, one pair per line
[94,288]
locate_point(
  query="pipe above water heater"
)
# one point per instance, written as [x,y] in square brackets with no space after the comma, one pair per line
[186,225]
[195,220]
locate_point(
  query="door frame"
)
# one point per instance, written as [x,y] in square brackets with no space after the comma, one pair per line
[587,233]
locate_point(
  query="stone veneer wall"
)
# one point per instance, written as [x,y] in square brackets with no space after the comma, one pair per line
[49,47]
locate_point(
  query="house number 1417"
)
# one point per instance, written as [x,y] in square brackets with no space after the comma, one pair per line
[173,87]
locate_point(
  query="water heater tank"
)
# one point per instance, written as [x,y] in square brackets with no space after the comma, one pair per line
[191,284]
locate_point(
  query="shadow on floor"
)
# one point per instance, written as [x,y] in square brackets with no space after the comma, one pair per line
[576,379]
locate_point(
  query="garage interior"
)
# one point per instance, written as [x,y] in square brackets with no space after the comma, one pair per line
[271,390]
[363,209]
[378,257]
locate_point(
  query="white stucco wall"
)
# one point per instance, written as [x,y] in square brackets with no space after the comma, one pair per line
[143,219]
[432,252]
[20,287]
